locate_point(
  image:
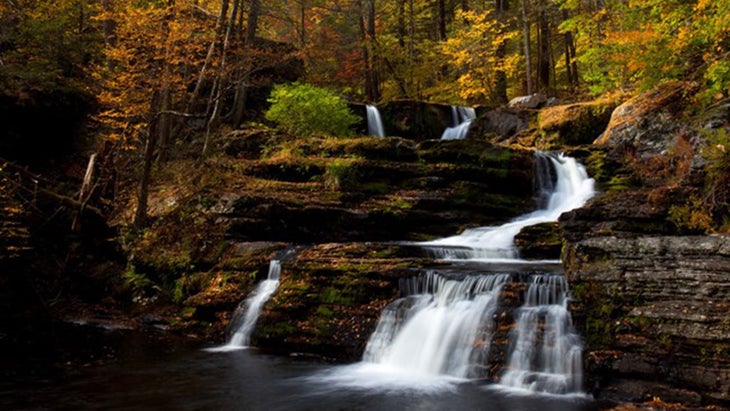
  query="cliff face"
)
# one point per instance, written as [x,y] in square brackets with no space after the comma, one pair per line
[651,291]
[654,309]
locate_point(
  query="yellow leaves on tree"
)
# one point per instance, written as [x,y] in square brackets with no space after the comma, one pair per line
[473,54]
[155,48]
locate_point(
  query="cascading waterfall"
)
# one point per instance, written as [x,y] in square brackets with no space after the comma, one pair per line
[444,327]
[440,331]
[546,355]
[375,124]
[462,118]
[247,313]
[494,244]
[440,327]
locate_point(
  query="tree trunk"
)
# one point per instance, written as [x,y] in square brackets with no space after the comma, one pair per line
[140,215]
[441,19]
[500,83]
[367,34]
[401,28]
[209,54]
[254,11]
[543,58]
[526,38]
[571,66]
[109,28]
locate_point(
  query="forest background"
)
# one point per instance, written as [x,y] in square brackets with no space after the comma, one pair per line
[160,71]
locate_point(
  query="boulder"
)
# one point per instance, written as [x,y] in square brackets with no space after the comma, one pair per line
[416,120]
[505,122]
[530,102]
[574,124]
[540,242]
[649,122]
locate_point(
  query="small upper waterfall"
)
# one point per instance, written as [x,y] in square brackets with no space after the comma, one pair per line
[247,313]
[375,124]
[571,189]
[546,352]
[462,119]
[440,327]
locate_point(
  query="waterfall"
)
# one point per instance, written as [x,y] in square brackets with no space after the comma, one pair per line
[375,124]
[247,313]
[546,355]
[571,189]
[462,118]
[440,327]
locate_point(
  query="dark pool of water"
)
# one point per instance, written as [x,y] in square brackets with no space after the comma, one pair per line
[144,376]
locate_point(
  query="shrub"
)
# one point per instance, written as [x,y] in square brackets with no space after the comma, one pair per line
[307,110]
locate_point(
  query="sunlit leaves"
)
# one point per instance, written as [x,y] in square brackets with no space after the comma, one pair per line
[643,42]
[305,110]
[473,54]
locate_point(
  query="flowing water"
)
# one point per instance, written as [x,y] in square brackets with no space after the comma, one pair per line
[431,349]
[462,119]
[247,313]
[547,353]
[440,327]
[571,190]
[375,124]
[440,330]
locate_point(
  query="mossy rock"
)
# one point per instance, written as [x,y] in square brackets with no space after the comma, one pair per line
[330,299]
[649,122]
[540,241]
[574,124]
[372,148]
[470,151]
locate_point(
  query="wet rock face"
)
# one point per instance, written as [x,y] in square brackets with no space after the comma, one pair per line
[331,296]
[654,310]
[370,189]
[540,242]
[416,120]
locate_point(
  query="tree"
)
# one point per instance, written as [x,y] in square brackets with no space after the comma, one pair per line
[475,55]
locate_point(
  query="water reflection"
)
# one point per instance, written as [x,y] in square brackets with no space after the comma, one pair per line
[148,379]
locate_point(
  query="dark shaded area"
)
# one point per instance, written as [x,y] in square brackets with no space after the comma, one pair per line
[43,126]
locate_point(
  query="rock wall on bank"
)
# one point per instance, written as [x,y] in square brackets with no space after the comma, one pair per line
[654,311]
[650,279]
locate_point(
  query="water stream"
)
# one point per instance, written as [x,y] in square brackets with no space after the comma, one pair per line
[440,331]
[462,119]
[432,348]
[571,189]
[441,327]
[375,124]
[247,314]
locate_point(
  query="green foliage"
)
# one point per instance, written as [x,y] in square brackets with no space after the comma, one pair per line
[717,78]
[717,191]
[135,280]
[623,45]
[308,110]
[47,44]
[341,175]
[707,210]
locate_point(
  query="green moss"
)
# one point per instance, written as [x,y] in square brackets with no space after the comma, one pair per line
[324,311]
[600,311]
[341,175]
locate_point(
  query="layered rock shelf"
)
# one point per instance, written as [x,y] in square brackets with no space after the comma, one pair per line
[654,310]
